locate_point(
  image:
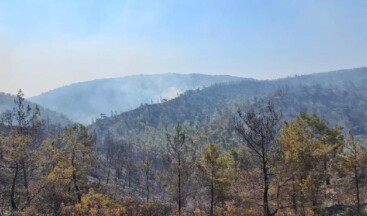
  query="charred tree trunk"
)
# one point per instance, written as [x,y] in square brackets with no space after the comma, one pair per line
[26,184]
[76,187]
[356,177]
[212,197]
[326,171]
[266,188]
[14,206]
[108,169]
[179,187]
[147,184]
[108,176]
[294,197]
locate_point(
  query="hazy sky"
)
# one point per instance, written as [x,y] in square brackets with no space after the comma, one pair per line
[45,44]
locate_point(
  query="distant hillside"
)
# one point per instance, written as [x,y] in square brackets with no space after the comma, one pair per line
[7,103]
[85,101]
[329,95]
[332,78]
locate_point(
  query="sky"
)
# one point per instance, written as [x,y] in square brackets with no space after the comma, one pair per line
[45,44]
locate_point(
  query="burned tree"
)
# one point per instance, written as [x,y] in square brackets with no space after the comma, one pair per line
[258,129]
[181,154]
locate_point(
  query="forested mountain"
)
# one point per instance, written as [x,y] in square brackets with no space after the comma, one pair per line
[7,104]
[327,94]
[85,101]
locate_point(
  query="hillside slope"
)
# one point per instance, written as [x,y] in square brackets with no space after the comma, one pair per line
[323,94]
[85,101]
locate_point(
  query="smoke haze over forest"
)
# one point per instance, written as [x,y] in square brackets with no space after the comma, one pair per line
[183,107]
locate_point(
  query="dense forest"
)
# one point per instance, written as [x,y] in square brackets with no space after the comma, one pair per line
[293,146]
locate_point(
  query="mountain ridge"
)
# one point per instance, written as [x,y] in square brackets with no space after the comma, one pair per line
[78,101]
[195,105]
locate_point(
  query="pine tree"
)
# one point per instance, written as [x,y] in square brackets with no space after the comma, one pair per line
[13,154]
[214,171]
[353,163]
[304,152]
[181,154]
[19,151]
[69,164]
